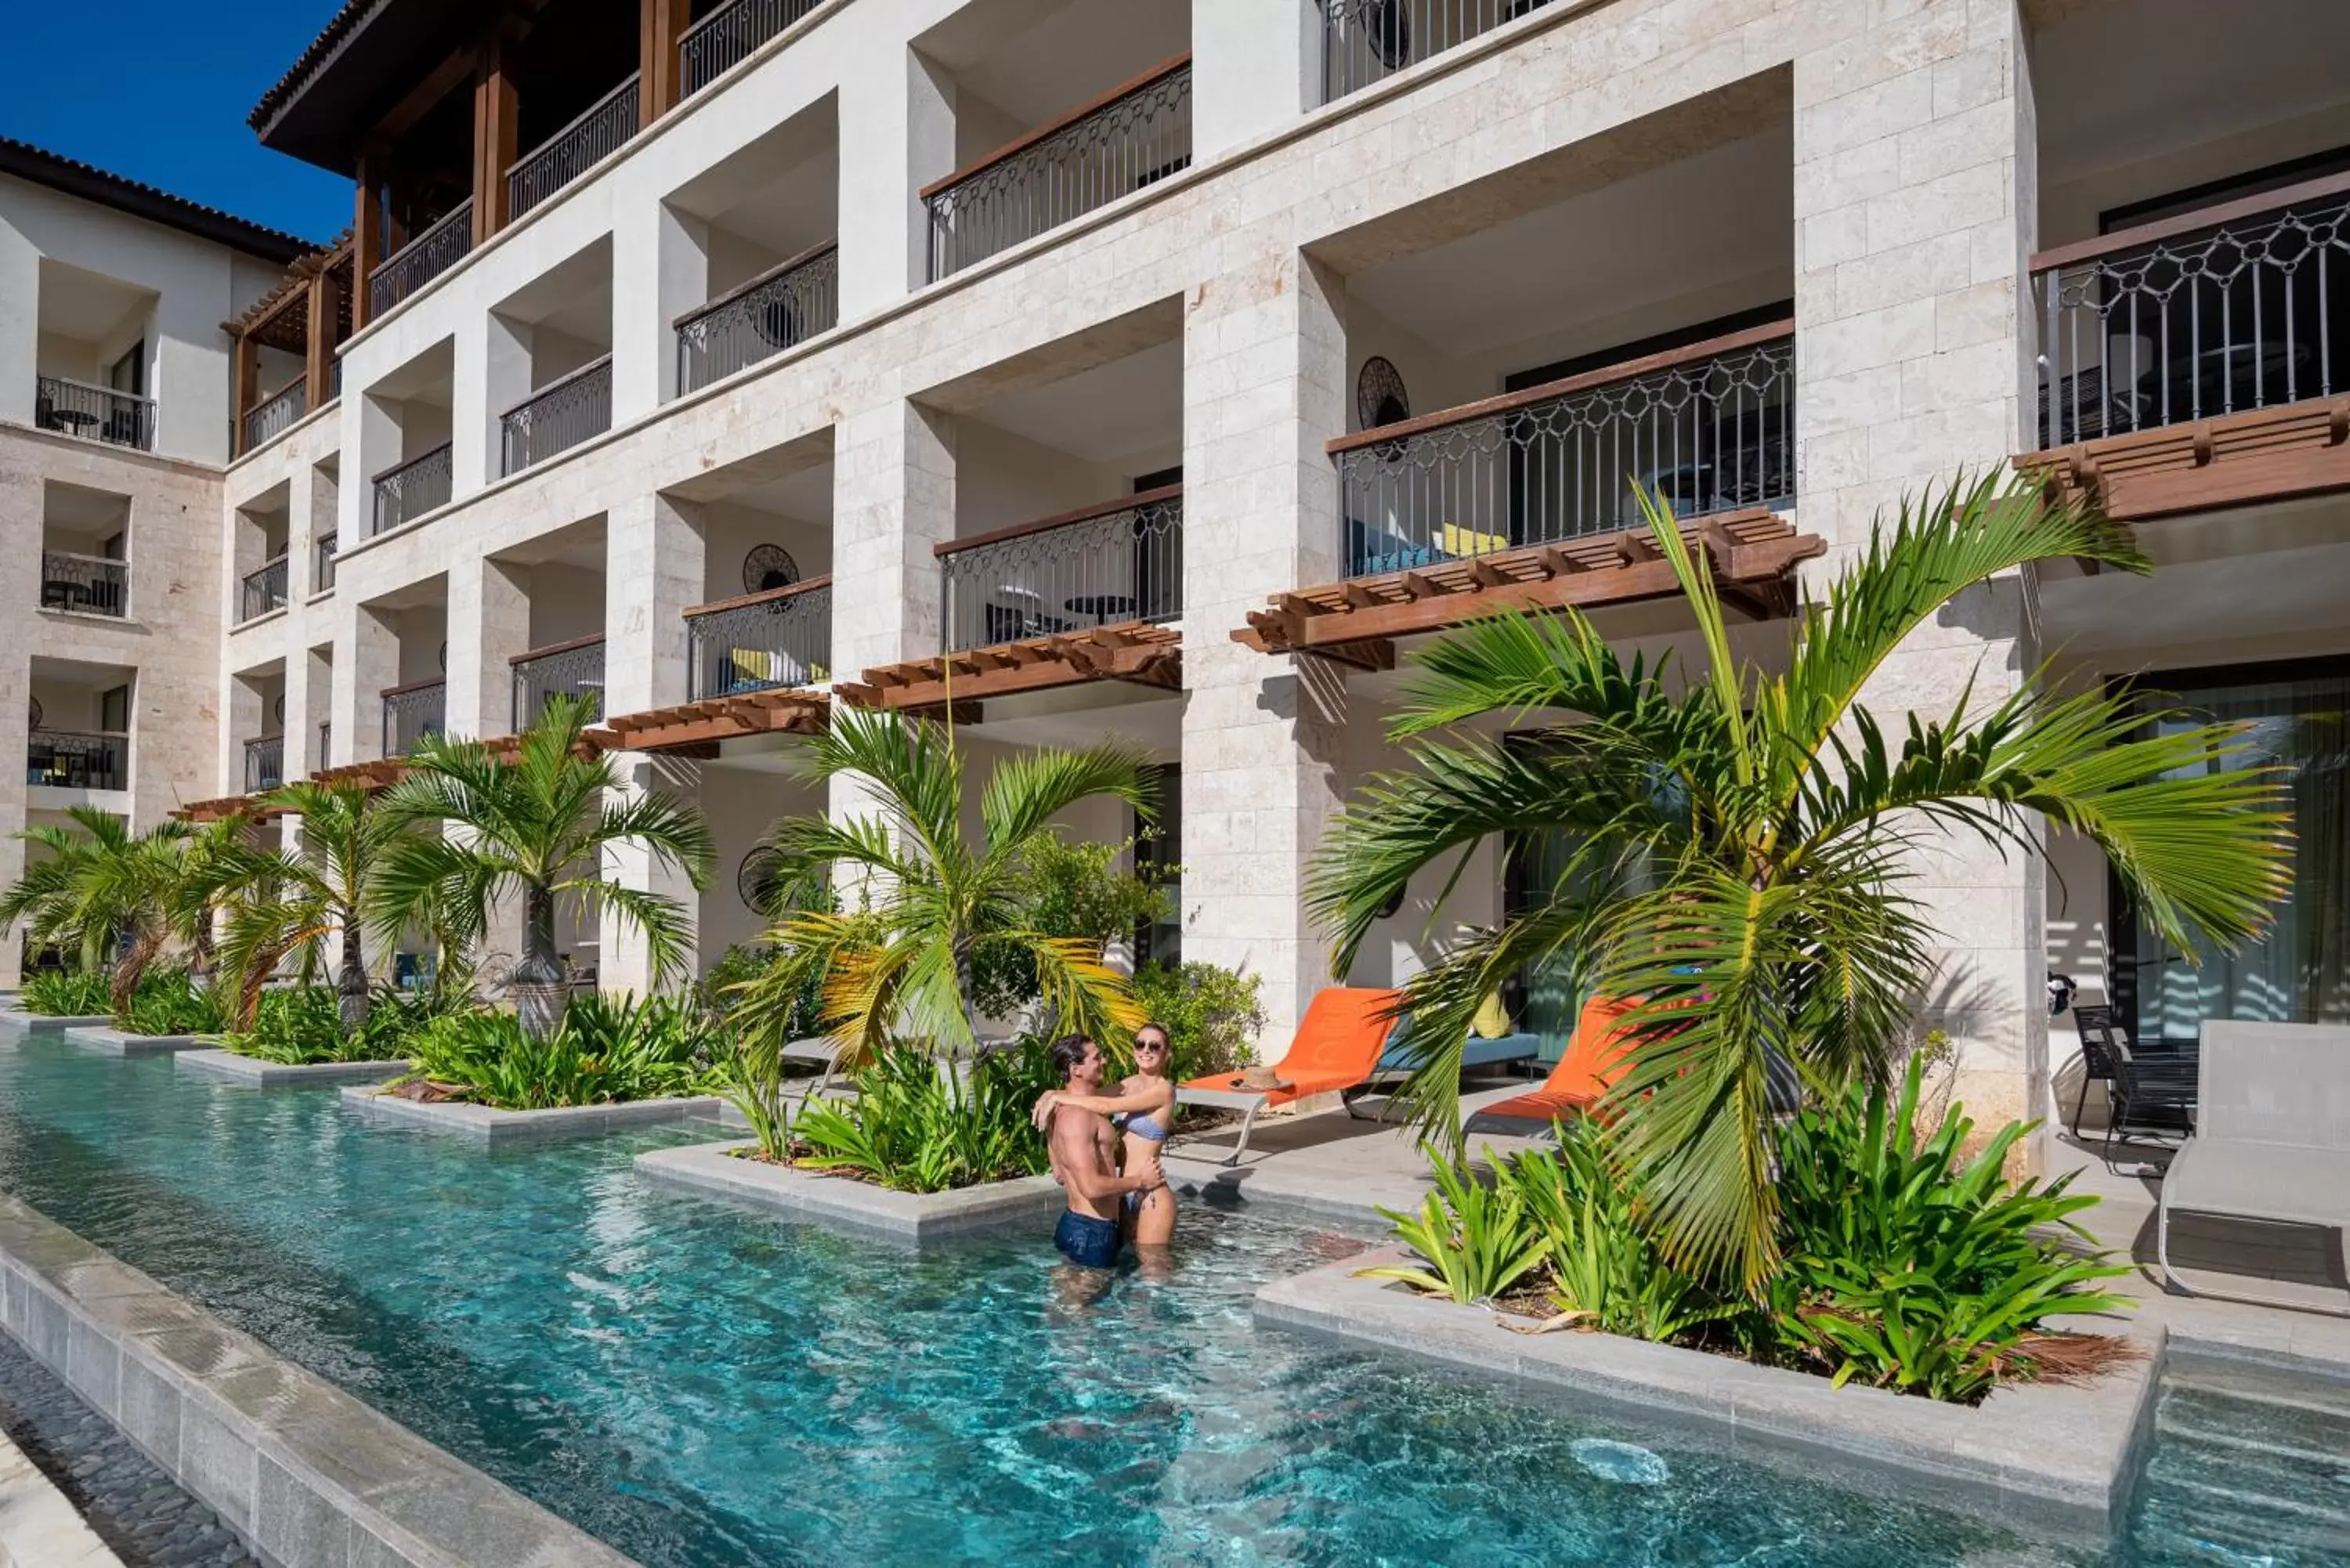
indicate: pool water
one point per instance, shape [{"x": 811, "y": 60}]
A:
[{"x": 700, "y": 1386}]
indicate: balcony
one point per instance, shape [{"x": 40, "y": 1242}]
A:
[
  {"x": 264, "y": 591},
  {"x": 1104, "y": 565},
  {"x": 277, "y": 413},
  {"x": 411, "y": 713},
  {"x": 731, "y": 34},
  {"x": 411, "y": 489},
  {"x": 93, "y": 585},
  {"x": 574, "y": 668},
  {"x": 99, "y": 413},
  {"x": 760, "y": 642},
  {"x": 780, "y": 306},
  {"x": 422, "y": 259},
  {"x": 2191, "y": 362},
  {"x": 264, "y": 764},
  {"x": 1132, "y": 137},
  {"x": 571, "y": 151},
  {"x": 73, "y": 759},
  {"x": 1364, "y": 41},
  {"x": 322, "y": 568},
  {"x": 559, "y": 416}
]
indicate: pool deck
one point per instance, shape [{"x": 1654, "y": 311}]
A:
[{"x": 39, "y": 1526}]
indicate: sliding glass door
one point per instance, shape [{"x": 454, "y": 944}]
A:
[{"x": 2297, "y": 719}]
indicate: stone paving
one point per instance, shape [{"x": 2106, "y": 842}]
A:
[{"x": 134, "y": 1507}]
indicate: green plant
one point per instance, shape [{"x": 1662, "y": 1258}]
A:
[
  {"x": 1476, "y": 1240},
  {"x": 1075, "y": 891},
  {"x": 601, "y": 1052},
  {"x": 66, "y": 993},
  {"x": 170, "y": 1001},
  {"x": 1210, "y": 1014},
  {"x": 1769, "y": 817},
  {"x": 1606, "y": 1273},
  {"x": 919, "y": 1125},
  {"x": 930, "y": 904},
  {"x": 301, "y": 1025},
  {"x": 525, "y": 827}
]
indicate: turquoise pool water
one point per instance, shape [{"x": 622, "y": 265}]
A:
[{"x": 703, "y": 1387}]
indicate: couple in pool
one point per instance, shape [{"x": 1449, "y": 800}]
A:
[{"x": 1105, "y": 1149}]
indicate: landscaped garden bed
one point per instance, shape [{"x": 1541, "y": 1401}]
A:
[{"x": 733, "y": 1170}]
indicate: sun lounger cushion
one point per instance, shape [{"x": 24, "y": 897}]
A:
[
  {"x": 1337, "y": 1046},
  {"x": 1497, "y": 1052},
  {"x": 1594, "y": 1059},
  {"x": 2281, "y": 1182}
]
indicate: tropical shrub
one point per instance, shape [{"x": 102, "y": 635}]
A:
[
  {"x": 1210, "y": 1014},
  {"x": 1905, "y": 1266},
  {"x": 919, "y": 1125},
  {"x": 601, "y": 1052},
  {"x": 66, "y": 993},
  {"x": 303, "y": 1024},
  {"x": 170, "y": 1001},
  {"x": 1070, "y": 891}
]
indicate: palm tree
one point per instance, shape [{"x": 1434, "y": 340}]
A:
[
  {"x": 292, "y": 902},
  {"x": 926, "y": 903},
  {"x": 1738, "y": 844},
  {"x": 536, "y": 827}
]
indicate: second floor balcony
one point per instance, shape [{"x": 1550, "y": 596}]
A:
[
  {"x": 558, "y": 415},
  {"x": 100, "y": 413},
  {"x": 264, "y": 764},
  {"x": 275, "y": 414},
  {"x": 574, "y": 668},
  {"x": 1131, "y": 137},
  {"x": 77, "y": 759},
  {"x": 264, "y": 590},
  {"x": 411, "y": 713},
  {"x": 760, "y": 642},
  {"x": 411, "y": 489},
  {"x": 94, "y": 585},
  {"x": 1101, "y": 566},
  {"x": 588, "y": 141},
  {"x": 780, "y": 306}
]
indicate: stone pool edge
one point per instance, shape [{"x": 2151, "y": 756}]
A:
[
  {"x": 501, "y": 1129},
  {"x": 20, "y": 1022},
  {"x": 2059, "y": 1456},
  {"x": 108, "y": 1040},
  {"x": 231, "y": 1067},
  {"x": 306, "y": 1475},
  {"x": 858, "y": 1208}
]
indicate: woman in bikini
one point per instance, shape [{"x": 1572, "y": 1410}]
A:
[{"x": 1144, "y": 1110}]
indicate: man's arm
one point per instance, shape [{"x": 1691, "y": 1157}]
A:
[{"x": 1101, "y": 1105}]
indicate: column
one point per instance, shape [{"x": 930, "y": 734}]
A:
[
  {"x": 661, "y": 270},
  {"x": 366, "y": 660},
  {"x": 367, "y": 234},
  {"x": 893, "y": 498},
  {"x": 21, "y": 502},
  {"x": 1265, "y": 355},
  {"x": 660, "y": 24},
  {"x": 495, "y": 122},
  {"x": 489, "y": 623},
  {"x": 897, "y": 135},
  {"x": 1256, "y": 65},
  {"x": 1916, "y": 196}
]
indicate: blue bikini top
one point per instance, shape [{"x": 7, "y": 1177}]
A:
[{"x": 1141, "y": 1127}]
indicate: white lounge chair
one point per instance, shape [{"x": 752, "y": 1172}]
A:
[{"x": 2271, "y": 1138}]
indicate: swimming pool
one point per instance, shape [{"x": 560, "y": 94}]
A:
[{"x": 701, "y": 1387}]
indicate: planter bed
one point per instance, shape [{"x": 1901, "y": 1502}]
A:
[
  {"x": 498, "y": 1129},
  {"x": 2059, "y": 1455},
  {"x": 116, "y": 1042},
  {"x": 263, "y": 1074},
  {"x": 917, "y": 1220},
  {"x": 50, "y": 1022}
]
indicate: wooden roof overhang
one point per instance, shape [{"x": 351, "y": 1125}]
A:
[
  {"x": 2230, "y": 459},
  {"x": 1752, "y": 554},
  {"x": 281, "y": 319},
  {"x": 1140, "y": 653},
  {"x": 695, "y": 729}
]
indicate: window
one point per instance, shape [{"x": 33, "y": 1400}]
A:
[
  {"x": 114, "y": 710},
  {"x": 1159, "y": 860},
  {"x": 129, "y": 374}
]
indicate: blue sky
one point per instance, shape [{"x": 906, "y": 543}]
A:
[{"x": 159, "y": 90}]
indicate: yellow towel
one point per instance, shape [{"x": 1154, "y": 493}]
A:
[
  {"x": 1459, "y": 541},
  {"x": 1493, "y": 1020}
]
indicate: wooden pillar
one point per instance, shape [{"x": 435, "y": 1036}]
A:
[
  {"x": 493, "y": 140},
  {"x": 324, "y": 308},
  {"x": 367, "y": 239},
  {"x": 658, "y": 82},
  {"x": 245, "y": 376}
]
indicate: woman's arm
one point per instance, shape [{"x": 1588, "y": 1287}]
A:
[{"x": 1125, "y": 1103}]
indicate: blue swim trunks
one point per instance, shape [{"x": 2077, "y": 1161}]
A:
[{"x": 1088, "y": 1242}]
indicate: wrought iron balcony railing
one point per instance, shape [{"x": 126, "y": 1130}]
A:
[
  {"x": 277, "y": 413},
  {"x": 1118, "y": 562},
  {"x": 101, "y": 413},
  {"x": 559, "y": 415},
  {"x": 780, "y": 306},
  {"x": 411, "y": 713},
  {"x": 1134, "y": 136},
  {"x": 422, "y": 259},
  {"x": 760, "y": 642},
  {"x": 265, "y": 590},
  {"x": 1364, "y": 41},
  {"x": 2239, "y": 306},
  {"x": 412, "y": 489},
  {"x": 571, "y": 151},
  {"x": 264, "y": 764},
  {"x": 1709, "y": 428},
  {"x": 76, "y": 758},
  {"x": 97, "y": 585},
  {"x": 574, "y": 668},
  {"x": 729, "y": 35},
  {"x": 322, "y": 568}
]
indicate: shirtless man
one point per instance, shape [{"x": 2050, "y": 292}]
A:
[{"x": 1085, "y": 1149}]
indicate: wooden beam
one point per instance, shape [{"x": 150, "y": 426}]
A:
[
  {"x": 326, "y": 310},
  {"x": 1423, "y": 587},
  {"x": 367, "y": 236},
  {"x": 495, "y": 117},
  {"x": 246, "y": 375},
  {"x": 661, "y": 23}
]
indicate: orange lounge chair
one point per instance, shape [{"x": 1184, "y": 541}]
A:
[
  {"x": 1596, "y": 1057},
  {"x": 1337, "y": 1047}
]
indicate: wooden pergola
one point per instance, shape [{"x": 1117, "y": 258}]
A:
[
  {"x": 1140, "y": 653},
  {"x": 308, "y": 314}
]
